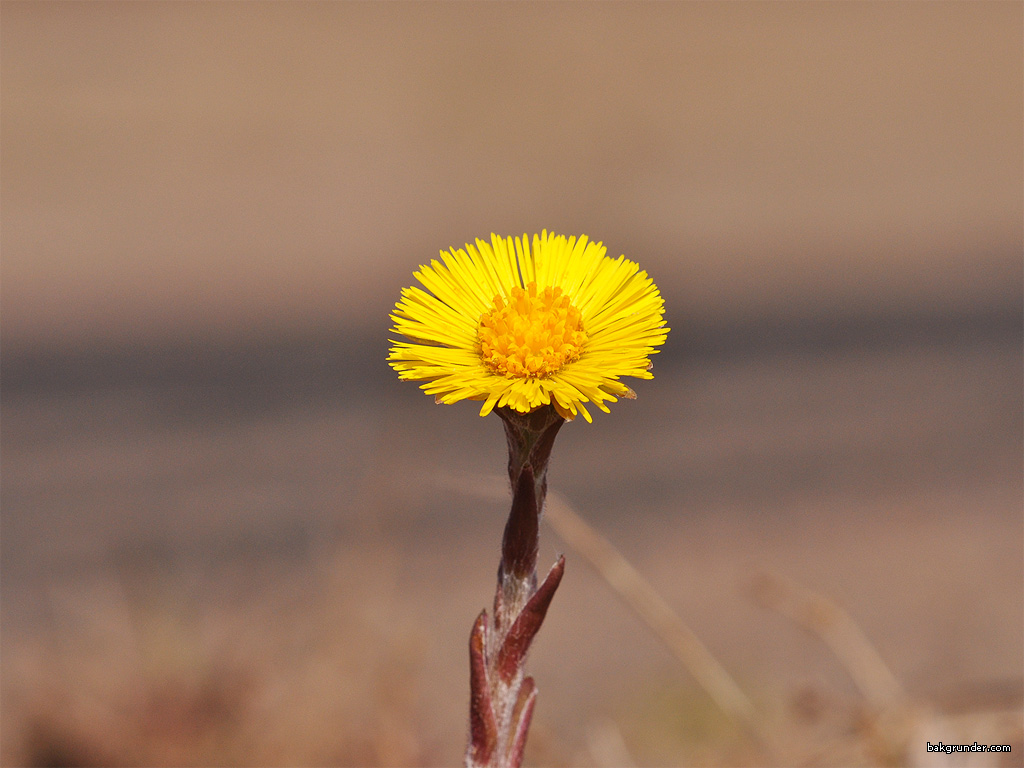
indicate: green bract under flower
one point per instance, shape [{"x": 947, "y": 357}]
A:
[{"x": 523, "y": 326}]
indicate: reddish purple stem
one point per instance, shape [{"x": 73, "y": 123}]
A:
[{"x": 502, "y": 698}]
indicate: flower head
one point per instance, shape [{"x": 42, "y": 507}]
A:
[{"x": 526, "y": 326}]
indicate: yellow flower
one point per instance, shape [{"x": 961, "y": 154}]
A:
[{"x": 559, "y": 323}]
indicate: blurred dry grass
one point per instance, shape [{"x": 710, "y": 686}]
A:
[
  {"x": 146, "y": 668},
  {"x": 326, "y": 665}
]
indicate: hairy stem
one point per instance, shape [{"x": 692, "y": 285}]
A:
[{"x": 502, "y": 698}]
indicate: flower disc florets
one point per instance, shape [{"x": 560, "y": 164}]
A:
[
  {"x": 531, "y": 334},
  {"x": 557, "y": 323}
]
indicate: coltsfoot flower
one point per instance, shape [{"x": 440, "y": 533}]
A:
[{"x": 523, "y": 326}]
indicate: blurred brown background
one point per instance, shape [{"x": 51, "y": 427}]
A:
[{"x": 232, "y": 536}]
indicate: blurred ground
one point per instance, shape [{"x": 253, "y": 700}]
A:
[{"x": 292, "y": 571}]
